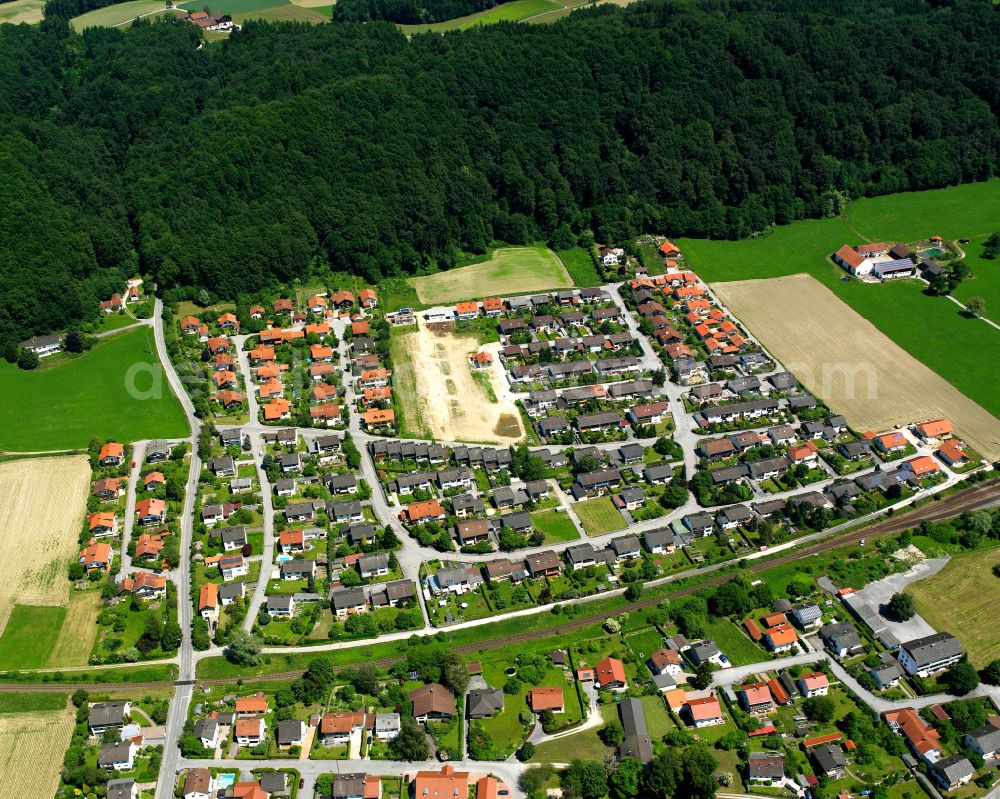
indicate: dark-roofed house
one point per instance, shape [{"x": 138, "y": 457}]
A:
[
  {"x": 122, "y": 789},
  {"x": 658, "y": 473},
  {"x": 930, "y": 654},
  {"x": 472, "y": 531},
  {"x": 637, "y": 742},
  {"x": 765, "y": 768},
  {"x": 580, "y": 556},
  {"x": 984, "y": 741},
  {"x": 107, "y": 716},
  {"x": 544, "y": 564},
  {"x": 886, "y": 674},
  {"x": 432, "y": 701},
  {"x": 660, "y": 542},
  {"x": 953, "y": 772},
  {"x": 484, "y": 703},
  {"x": 700, "y": 524},
  {"x": 626, "y": 546},
  {"x": 829, "y": 759}
]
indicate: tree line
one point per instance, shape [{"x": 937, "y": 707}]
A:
[{"x": 249, "y": 162}]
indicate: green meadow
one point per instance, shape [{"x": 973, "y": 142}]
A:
[
  {"x": 116, "y": 390},
  {"x": 963, "y": 351}
]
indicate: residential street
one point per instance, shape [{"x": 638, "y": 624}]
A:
[{"x": 411, "y": 555}]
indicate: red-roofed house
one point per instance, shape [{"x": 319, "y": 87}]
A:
[
  {"x": 756, "y": 698},
  {"x": 851, "y": 260},
  {"x": 96, "y": 556},
  {"x": 934, "y": 428},
  {"x": 111, "y": 454},
  {"x": 780, "y": 639},
  {"x": 703, "y": 712},
  {"x": 922, "y": 465},
  {"x": 546, "y": 698},
  {"x": 815, "y": 684},
  {"x": 952, "y": 454},
  {"x": 610, "y": 673},
  {"x": 368, "y": 298}
]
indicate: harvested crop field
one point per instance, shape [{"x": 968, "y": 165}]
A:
[
  {"x": 845, "y": 360},
  {"x": 32, "y": 746},
  {"x": 511, "y": 270},
  {"x": 953, "y": 600},
  {"x": 439, "y": 395},
  {"x": 42, "y": 502}
]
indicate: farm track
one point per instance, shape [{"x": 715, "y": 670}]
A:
[{"x": 969, "y": 499}]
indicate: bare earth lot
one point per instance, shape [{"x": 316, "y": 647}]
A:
[
  {"x": 32, "y": 746},
  {"x": 42, "y": 501},
  {"x": 448, "y": 401},
  {"x": 844, "y": 359}
]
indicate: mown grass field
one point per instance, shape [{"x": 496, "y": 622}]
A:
[
  {"x": 284, "y": 12},
  {"x": 31, "y": 702},
  {"x": 514, "y": 11},
  {"x": 931, "y": 329},
  {"x": 117, "y": 14},
  {"x": 100, "y": 394},
  {"x": 960, "y": 599},
  {"x": 580, "y": 266},
  {"x": 509, "y": 270},
  {"x": 30, "y": 636},
  {"x": 18, "y": 11},
  {"x": 599, "y": 516}
]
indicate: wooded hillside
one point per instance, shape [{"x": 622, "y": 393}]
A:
[{"x": 233, "y": 166}]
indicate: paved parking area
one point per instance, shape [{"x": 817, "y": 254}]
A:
[{"x": 877, "y": 594}]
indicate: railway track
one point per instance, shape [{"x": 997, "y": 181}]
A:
[{"x": 970, "y": 499}]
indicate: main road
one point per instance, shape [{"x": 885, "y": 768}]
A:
[{"x": 181, "y": 576}]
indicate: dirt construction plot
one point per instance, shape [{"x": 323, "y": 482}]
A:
[
  {"x": 845, "y": 360},
  {"x": 32, "y": 746},
  {"x": 447, "y": 401},
  {"x": 42, "y": 503}
]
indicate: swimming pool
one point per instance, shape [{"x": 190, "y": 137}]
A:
[
  {"x": 933, "y": 253},
  {"x": 226, "y": 780},
  {"x": 282, "y": 558}
]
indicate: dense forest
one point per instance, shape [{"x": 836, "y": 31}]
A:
[
  {"x": 234, "y": 166},
  {"x": 405, "y": 11}
]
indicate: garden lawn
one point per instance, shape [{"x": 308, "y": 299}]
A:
[
  {"x": 555, "y": 525},
  {"x": 509, "y": 270},
  {"x": 740, "y": 650},
  {"x": 585, "y": 745},
  {"x": 93, "y": 395},
  {"x": 599, "y": 516},
  {"x": 30, "y": 635}
]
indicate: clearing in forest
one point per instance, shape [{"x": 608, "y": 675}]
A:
[
  {"x": 953, "y": 600},
  {"x": 439, "y": 395},
  {"x": 42, "y": 502},
  {"x": 32, "y": 746},
  {"x": 510, "y": 270},
  {"x": 847, "y": 362}
]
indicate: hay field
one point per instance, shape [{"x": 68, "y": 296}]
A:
[
  {"x": 29, "y": 11},
  {"x": 844, "y": 359},
  {"x": 42, "y": 502},
  {"x": 115, "y": 15},
  {"x": 510, "y": 270},
  {"x": 32, "y": 746},
  {"x": 441, "y": 397},
  {"x": 954, "y": 601}
]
